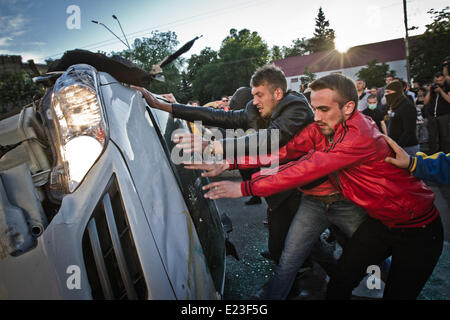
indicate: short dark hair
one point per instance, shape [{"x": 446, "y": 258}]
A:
[
  {"x": 269, "y": 75},
  {"x": 371, "y": 96},
  {"x": 240, "y": 98},
  {"x": 344, "y": 87},
  {"x": 438, "y": 74}
]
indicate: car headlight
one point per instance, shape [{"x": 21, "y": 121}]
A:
[{"x": 80, "y": 125}]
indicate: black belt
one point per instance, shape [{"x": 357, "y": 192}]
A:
[{"x": 331, "y": 198}]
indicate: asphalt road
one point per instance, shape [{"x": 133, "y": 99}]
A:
[{"x": 244, "y": 278}]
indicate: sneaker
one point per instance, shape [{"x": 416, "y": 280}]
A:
[{"x": 253, "y": 200}]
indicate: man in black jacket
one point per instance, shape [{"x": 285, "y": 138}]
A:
[
  {"x": 239, "y": 101},
  {"x": 272, "y": 107},
  {"x": 402, "y": 123},
  {"x": 382, "y": 105}
]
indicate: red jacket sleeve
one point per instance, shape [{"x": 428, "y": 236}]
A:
[
  {"x": 342, "y": 153},
  {"x": 297, "y": 147}
]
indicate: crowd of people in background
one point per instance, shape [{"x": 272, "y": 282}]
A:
[
  {"x": 420, "y": 122},
  {"x": 425, "y": 129},
  {"x": 223, "y": 103}
]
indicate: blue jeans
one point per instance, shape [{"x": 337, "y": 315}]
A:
[{"x": 311, "y": 219}]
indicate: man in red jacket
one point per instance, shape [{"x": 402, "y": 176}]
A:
[{"x": 345, "y": 145}]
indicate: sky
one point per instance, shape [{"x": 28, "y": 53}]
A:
[{"x": 39, "y": 30}]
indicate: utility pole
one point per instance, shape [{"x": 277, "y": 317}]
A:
[
  {"x": 405, "y": 14},
  {"x": 128, "y": 45}
]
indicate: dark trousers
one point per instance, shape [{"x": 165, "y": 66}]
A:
[
  {"x": 415, "y": 252},
  {"x": 438, "y": 129},
  {"x": 247, "y": 174},
  {"x": 280, "y": 218}
]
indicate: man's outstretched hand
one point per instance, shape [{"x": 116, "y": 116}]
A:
[
  {"x": 401, "y": 157},
  {"x": 191, "y": 143},
  {"x": 152, "y": 101},
  {"x": 223, "y": 189}
]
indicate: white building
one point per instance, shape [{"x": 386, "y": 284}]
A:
[{"x": 392, "y": 52}]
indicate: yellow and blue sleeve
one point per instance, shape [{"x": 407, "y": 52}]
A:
[{"x": 435, "y": 167}]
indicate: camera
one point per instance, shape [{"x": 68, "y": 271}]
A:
[{"x": 434, "y": 86}]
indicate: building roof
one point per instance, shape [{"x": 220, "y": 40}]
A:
[
  {"x": 385, "y": 51},
  {"x": 13, "y": 63}
]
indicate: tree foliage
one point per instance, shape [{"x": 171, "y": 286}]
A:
[
  {"x": 240, "y": 55},
  {"x": 196, "y": 62},
  {"x": 198, "y": 71},
  {"x": 322, "y": 40},
  {"x": 185, "y": 89},
  {"x": 431, "y": 48},
  {"x": 17, "y": 89},
  {"x": 276, "y": 53},
  {"x": 324, "y": 36},
  {"x": 374, "y": 74},
  {"x": 299, "y": 47},
  {"x": 307, "y": 77},
  {"x": 149, "y": 51},
  {"x": 216, "y": 74}
]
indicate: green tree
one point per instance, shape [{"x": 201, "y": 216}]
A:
[
  {"x": 241, "y": 53},
  {"x": 147, "y": 52},
  {"x": 17, "y": 90},
  {"x": 374, "y": 74},
  {"x": 299, "y": 47},
  {"x": 196, "y": 62},
  {"x": 198, "y": 71},
  {"x": 185, "y": 89},
  {"x": 276, "y": 53},
  {"x": 307, "y": 76},
  {"x": 431, "y": 48},
  {"x": 206, "y": 86},
  {"x": 324, "y": 36}
]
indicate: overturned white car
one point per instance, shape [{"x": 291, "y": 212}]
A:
[{"x": 91, "y": 205}]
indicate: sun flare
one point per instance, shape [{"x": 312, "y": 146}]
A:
[{"x": 342, "y": 45}]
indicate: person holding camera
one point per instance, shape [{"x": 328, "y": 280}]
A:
[{"x": 438, "y": 101}]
